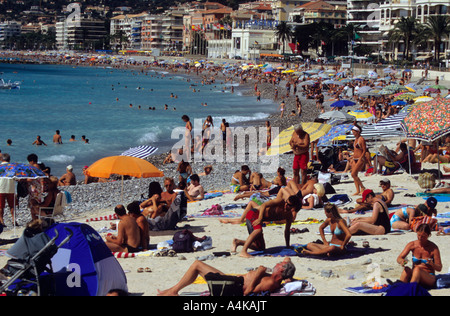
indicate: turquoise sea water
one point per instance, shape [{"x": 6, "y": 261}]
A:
[{"x": 95, "y": 102}]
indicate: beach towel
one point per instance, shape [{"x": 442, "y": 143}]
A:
[
  {"x": 103, "y": 218},
  {"x": 281, "y": 251},
  {"x": 443, "y": 215},
  {"x": 440, "y": 197},
  {"x": 366, "y": 290}
]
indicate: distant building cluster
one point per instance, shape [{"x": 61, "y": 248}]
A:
[{"x": 215, "y": 30}]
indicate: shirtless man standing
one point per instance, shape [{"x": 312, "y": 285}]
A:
[
  {"x": 255, "y": 281},
  {"x": 274, "y": 210},
  {"x": 57, "y": 138},
  {"x": 300, "y": 146},
  {"x": 128, "y": 238}
]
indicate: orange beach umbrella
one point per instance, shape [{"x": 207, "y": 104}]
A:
[{"x": 125, "y": 166}]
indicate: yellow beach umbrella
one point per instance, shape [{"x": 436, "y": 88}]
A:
[
  {"x": 280, "y": 144},
  {"x": 361, "y": 115},
  {"x": 316, "y": 130},
  {"x": 423, "y": 99}
]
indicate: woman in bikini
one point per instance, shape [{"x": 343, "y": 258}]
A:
[
  {"x": 426, "y": 259},
  {"x": 340, "y": 234},
  {"x": 358, "y": 161}
]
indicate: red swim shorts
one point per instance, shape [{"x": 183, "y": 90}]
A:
[
  {"x": 259, "y": 242},
  {"x": 301, "y": 161}
]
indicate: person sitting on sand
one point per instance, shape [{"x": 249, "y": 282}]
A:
[
  {"x": 169, "y": 195},
  {"x": 239, "y": 181},
  {"x": 278, "y": 183},
  {"x": 150, "y": 207},
  {"x": 314, "y": 199},
  {"x": 340, "y": 234},
  {"x": 402, "y": 217},
  {"x": 426, "y": 259},
  {"x": 68, "y": 178},
  {"x": 206, "y": 171},
  {"x": 378, "y": 224},
  {"x": 257, "y": 182},
  {"x": 195, "y": 191},
  {"x": 135, "y": 212},
  {"x": 387, "y": 196},
  {"x": 280, "y": 211},
  {"x": 128, "y": 238},
  {"x": 255, "y": 281},
  {"x": 301, "y": 190}
]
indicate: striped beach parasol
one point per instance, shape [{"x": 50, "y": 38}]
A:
[
  {"x": 316, "y": 130},
  {"x": 140, "y": 151}
]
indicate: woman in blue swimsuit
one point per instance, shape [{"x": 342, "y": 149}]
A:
[
  {"x": 340, "y": 234},
  {"x": 426, "y": 259}
]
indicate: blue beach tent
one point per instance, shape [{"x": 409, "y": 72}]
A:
[{"x": 85, "y": 266}]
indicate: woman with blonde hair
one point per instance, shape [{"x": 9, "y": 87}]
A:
[
  {"x": 314, "y": 199},
  {"x": 340, "y": 234}
]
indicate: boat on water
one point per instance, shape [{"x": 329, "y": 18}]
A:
[{"x": 9, "y": 84}]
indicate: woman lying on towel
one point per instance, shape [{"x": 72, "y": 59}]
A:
[{"x": 340, "y": 234}]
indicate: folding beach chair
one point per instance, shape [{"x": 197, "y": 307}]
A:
[{"x": 58, "y": 209}]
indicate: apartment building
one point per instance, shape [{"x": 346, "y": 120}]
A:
[
  {"x": 151, "y": 33},
  {"x": 125, "y": 31},
  {"x": 89, "y": 34},
  {"x": 320, "y": 11},
  {"x": 9, "y": 29}
]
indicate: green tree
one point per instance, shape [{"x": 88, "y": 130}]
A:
[
  {"x": 284, "y": 33},
  {"x": 405, "y": 30},
  {"x": 438, "y": 26}
]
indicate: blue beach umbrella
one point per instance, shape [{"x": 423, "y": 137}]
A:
[
  {"x": 399, "y": 102},
  {"x": 342, "y": 103},
  {"x": 19, "y": 171}
]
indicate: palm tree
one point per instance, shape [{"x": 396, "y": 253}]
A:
[
  {"x": 438, "y": 26},
  {"x": 405, "y": 30},
  {"x": 284, "y": 33}
]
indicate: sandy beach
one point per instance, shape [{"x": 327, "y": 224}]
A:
[{"x": 329, "y": 277}]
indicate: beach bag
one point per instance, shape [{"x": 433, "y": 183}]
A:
[
  {"x": 407, "y": 289},
  {"x": 427, "y": 180},
  {"x": 213, "y": 211},
  {"x": 417, "y": 221},
  {"x": 183, "y": 241}
]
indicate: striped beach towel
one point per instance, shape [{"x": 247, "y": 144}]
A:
[{"x": 102, "y": 218}]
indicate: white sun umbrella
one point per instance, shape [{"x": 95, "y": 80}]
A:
[{"x": 140, "y": 151}]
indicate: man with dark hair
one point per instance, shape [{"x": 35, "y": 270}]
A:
[
  {"x": 300, "y": 143},
  {"x": 134, "y": 211},
  {"x": 255, "y": 281},
  {"x": 273, "y": 210},
  {"x": 128, "y": 237},
  {"x": 195, "y": 190}
]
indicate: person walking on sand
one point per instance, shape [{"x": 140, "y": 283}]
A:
[
  {"x": 282, "y": 108},
  {"x": 300, "y": 143},
  {"x": 358, "y": 161},
  {"x": 7, "y": 192}
]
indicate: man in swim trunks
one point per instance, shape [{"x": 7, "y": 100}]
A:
[
  {"x": 300, "y": 143},
  {"x": 255, "y": 281},
  {"x": 274, "y": 210},
  {"x": 128, "y": 238}
]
